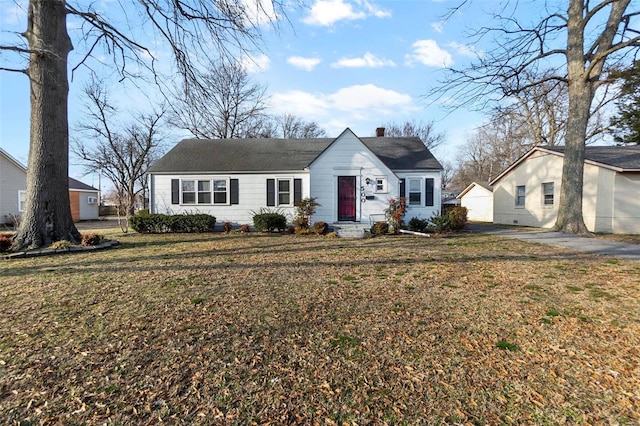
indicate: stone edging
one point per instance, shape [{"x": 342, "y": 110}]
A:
[{"x": 72, "y": 249}]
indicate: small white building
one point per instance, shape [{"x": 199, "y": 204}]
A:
[
  {"x": 527, "y": 192},
  {"x": 478, "y": 199},
  {"x": 352, "y": 178}
]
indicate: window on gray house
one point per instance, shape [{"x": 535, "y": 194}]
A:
[
  {"x": 547, "y": 193},
  {"x": 520, "y": 194},
  {"x": 415, "y": 191}
]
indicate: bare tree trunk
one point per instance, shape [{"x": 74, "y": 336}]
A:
[
  {"x": 570, "y": 219},
  {"x": 47, "y": 217},
  {"x": 581, "y": 92}
]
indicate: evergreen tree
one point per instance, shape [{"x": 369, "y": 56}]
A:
[{"x": 625, "y": 126}]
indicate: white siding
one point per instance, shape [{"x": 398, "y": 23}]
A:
[
  {"x": 348, "y": 156},
  {"x": 88, "y": 211},
  {"x": 12, "y": 180},
  {"x": 252, "y": 196},
  {"x": 531, "y": 173},
  {"x": 627, "y": 204},
  {"x": 609, "y": 204},
  {"x": 479, "y": 203}
]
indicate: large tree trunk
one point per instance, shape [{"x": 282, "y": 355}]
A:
[
  {"x": 47, "y": 216},
  {"x": 581, "y": 91}
]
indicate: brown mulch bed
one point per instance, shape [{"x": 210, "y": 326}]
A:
[{"x": 236, "y": 329}]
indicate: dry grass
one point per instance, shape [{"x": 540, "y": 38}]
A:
[{"x": 213, "y": 329}]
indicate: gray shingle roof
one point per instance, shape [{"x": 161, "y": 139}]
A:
[
  {"x": 626, "y": 158},
  {"x": 76, "y": 184},
  {"x": 257, "y": 155}
]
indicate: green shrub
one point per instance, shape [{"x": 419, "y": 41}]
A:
[
  {"x": 380, "y": 228},
  {"x": 418, "y": 225},
  {"x": 5, "y": 242},
  {"x": 161, "y": 223},
  {"x": 269, "y": 222},
  {"x": 320, "y": 228},
  {"x": 305, "y": 208},
  {"x": 458, "y": 218},
  {"x": 453, "y": 220}
]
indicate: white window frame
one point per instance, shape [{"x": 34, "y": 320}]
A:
[
  {"x": 419, "y": 192},
  {"x": 289, "y": 192},
  {"x": 546, "y": 193},
  {"x": 22, "y": 200},
  {"x": 92, "y": 200},
  {"x": 380, "y": 185},
  {"x": 200, "y": 195},
  {"x": 523, "y": 196}
]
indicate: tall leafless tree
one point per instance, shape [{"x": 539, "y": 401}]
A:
[
  {"x": 121, "y": 152},
  {"x": 425, "y": 131},
  {"x": 191, "y": 29},
  {"x": 290, "y": 126},
  {"x": 582, "y": 41},
  {"x": 223, "y": 103}
]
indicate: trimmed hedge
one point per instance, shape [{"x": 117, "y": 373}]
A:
[
  {"x": 161, "y": 223},
  {"x": 269, "y": 222}
]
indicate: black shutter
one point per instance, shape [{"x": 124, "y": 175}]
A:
[
  {"x": 297, "y": 191},
  {"x": 402, "y": 188},
  {"x": 271, "y": 192},
  {"x": 429, "y": 191},
  {"x": 175, "y": 191},
  {"x": 234, "y": 192}
]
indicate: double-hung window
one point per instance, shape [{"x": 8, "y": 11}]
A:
[
  {"x": 520, "y": 195},
  {"x": 22, "y": 199},
  {"x": 415, "y": 191},
  {"x": 284, "y": 192},
  {"x": 547, "y": 194},
  {"x": 220, "y": 191}
]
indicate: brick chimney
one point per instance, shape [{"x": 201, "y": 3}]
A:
[{"x": 380, "y": 132}]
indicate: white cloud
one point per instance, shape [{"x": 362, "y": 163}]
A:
[
  {"x": 327, "y": 12},
  {"x": 466, "y": 50},
  {"x": 428, "y": 52},
  {"x": 367, "y": 61},
  {"x": 438, "y": 26},
  {"x": 345, "y": 107},
  {"x": 260, "y": 12},
  {"x": 307, "y": 64},
  {"x": 255, "y": 64}
]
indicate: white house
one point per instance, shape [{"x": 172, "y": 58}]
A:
[
  {"x": 13, "y": 193},
  {"x": 527, "y": 192},
  {"x": 478, "y": 199},
  {"x": 352, "y": 178}
]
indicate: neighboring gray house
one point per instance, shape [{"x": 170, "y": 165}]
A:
[
  {"x": 352, "y": 178},
  {"x": 527, "y": 192},
  {"x": 13, "y": 185},
  {"x": 13, "y": 193}
]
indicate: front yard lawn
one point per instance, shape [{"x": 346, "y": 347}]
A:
[{"x": 236, "y": 329}]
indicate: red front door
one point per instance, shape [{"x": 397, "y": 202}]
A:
[{"x": 347, "y": 198}]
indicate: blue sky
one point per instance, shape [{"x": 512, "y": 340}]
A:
[{"x": 341, "y": 63}]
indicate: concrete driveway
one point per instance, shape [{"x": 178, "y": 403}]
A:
[{"x": 559, "y": 239}]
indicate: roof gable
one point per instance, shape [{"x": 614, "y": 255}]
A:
[
  {"x": 12, "y": 160},
  {"x": 270, "y": 155},
  {"x": 473, "y": 185},
  {"x": 79, "y": 186},
  {"x": 618, "y": 158}
]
